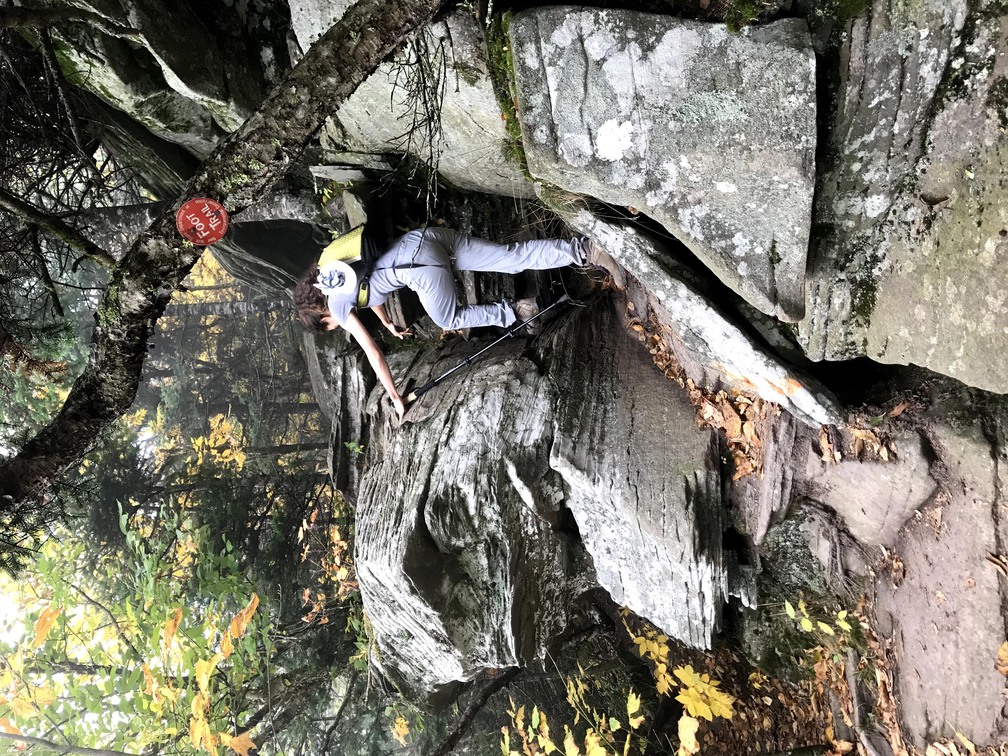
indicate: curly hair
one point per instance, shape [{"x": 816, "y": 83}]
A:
[{"x": 311, "y": 303}]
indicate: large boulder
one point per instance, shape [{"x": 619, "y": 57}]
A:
[
  {"x": 436, "y": 102},
  {"x": 463, "y": 555},
  {"x": 189, "y": 81},
  {"x": 641, "y": 479},
  {"x": 712, "y": 134},
  {"x": 913, "y": 205}
]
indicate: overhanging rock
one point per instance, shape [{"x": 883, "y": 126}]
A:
[{"x": 712, "y": 134}]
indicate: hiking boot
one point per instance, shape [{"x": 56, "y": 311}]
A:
[
  {"x": 598, "y": 258},
  {"x": 525, "y": 309}
]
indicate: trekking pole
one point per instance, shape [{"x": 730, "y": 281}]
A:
[{"x": 417, "y": 393}]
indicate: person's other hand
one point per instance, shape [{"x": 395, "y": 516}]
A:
[{"x": 397, "y": 331}]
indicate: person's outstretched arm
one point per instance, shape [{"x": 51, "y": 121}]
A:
[
  {"x": 377, "y": 360},
  {"x": 391, "y": 327}
]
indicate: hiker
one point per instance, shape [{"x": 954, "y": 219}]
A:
[{"x": 354, "y": 271}]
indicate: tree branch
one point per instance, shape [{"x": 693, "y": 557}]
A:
[
  {"x": 451, "y": 739},
  {"x": 49, "y": 55},
  {"x": 243, "y": 167},
  {"x": 46, "y": 17},
  {"x": 57, "y": 748},
  {"x": 54, "y": 226},
  {"x": 112, "y": 618}
]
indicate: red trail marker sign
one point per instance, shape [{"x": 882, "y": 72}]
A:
[{"x": 202, "y": 221}]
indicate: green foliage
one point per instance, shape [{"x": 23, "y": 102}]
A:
[
  {"x": 501, "y": 69},
  {"x": 741, "y": 13},
  {"x": 162, "y": 644}
]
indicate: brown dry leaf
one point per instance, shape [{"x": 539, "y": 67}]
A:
[
  {"x": 829, "y": 454},
  {"x": 842, "y": 746},
  {"x": 731, "y": 422},
  {"x": 898, "y": 571},
  {"x": 898, "y": 409}
]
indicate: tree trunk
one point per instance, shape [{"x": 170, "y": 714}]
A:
[{"x": 243, "y": 167}]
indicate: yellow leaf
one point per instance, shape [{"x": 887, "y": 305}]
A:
[
  {"x": 148, "y": 680},
  {"x": 789, "y": 609},
  {"x": 44, "y": 696},
  {"x": 45, "y": 623},
  {"x": 632, "y": 704},
  {"x": 970, "y": 748},
  {"x": 240, "y": 744},
  {"x": 806, "y": 624},
  {"x": 1001, "y": 665},
  {"x": 196, "y": 727},
  {"x": 695, "y": 704},
  {"x": 226, "y": 646},
  {"x": 204, "y": 669},
  {"x": 570, "y": 747},
  {"x": 825, "y": 628},
  {"x": 400, "y": 729},
  {"x": 169, "y": 629},
  {"x": 23, "y": 707},
  {"x": 241, "y": 620},
  {"x": 688, "y": 727},
  {"x": 593, "y": 746}
]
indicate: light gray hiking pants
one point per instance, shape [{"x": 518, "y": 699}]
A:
[{"x": 431, "y": 250}]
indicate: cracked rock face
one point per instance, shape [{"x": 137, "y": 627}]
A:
[
  {"x": 913, "y": 202},
  {"x": 709, "y": 133},
  {"x": 463, "y": 561}
]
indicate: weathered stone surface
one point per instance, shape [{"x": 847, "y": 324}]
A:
[
  {"x": 913, "y": 205},
  {"x": 461, "y": 562},
  {"x": 714, "y": 352},
  {"x": 875, "y": 499},
  {"x": 643, "y": 481},
  {"x": 310, "y": 19},
  {"x": 189, "y": 81},
  {"x": 470, "y": 145},
  {"x": 709, "y": 133},
  {"x": 946, "y": 617}
]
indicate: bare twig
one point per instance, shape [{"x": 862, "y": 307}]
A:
[
  {"x": 112, "y": 618},
  {"x": 49, "y": 55},
  {"x": 56, "y": 227},
  {"x": 43, "y": 271}
]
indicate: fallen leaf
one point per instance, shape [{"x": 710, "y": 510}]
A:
[
  {"x": 967, "y": 744},
  {"x": 898, "y": 409},
  {"x": 1001, "y": 665}
]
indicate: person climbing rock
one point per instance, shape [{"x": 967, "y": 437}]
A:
[{"x": 357, "y": 271}]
